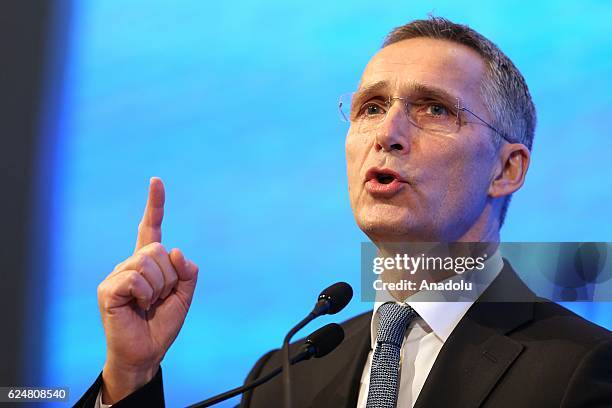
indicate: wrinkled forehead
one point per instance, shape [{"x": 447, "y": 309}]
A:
[{"x": 450, "y": 67}]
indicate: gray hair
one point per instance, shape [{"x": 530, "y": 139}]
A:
[{"x": 504, "y": 90}]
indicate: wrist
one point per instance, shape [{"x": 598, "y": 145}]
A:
[{"x": 121, "y": 380}]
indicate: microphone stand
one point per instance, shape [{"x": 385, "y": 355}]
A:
[
  {"x": 322, "y": 306},
  {"x": 318, "y": 344},
  {"x": 239, "y": 390}
]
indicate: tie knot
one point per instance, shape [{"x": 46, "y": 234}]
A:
[{"x": 393, "y": 320}]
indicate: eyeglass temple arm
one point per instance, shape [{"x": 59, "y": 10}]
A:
[
  {"x": 463, "y": 108},
  {"x": 340, "y": 104}
]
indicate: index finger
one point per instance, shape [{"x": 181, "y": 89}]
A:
[{"x": 149, "y": 229}]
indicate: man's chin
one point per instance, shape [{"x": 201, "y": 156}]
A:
[
  {"x": 378, "y": 229},
  {"x": 387, "y": 223}
]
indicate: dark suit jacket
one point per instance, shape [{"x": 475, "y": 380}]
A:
[{"x": 532, "y": 353}]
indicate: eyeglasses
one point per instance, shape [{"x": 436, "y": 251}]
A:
[{"x": 429, "y": 116}]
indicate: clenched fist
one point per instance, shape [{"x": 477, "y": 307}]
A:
[{"x": 143, "y": 303}]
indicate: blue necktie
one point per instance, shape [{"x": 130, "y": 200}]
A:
[{"x": 384, "y": 375}]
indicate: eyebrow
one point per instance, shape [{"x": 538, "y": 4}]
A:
[{"x": 411, "y": 89}]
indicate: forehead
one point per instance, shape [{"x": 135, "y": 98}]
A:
[{"x": 452, "y": 67}]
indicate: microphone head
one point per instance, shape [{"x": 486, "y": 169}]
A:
[
  {"x": 324, "y": 340},
  {"x": 337, "y": 296}
]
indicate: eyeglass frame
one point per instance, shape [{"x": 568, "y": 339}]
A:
[{"x": 458, "y": 106}]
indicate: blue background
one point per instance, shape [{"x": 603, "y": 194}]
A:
[{"x": 233, "y": 104}]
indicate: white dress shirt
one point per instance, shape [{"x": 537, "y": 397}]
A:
[
  {"x": 99, "y": 403},
  {"x": 427, "y": 333}
]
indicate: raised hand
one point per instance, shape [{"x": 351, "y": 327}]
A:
[{"x": 143, "y": 303}]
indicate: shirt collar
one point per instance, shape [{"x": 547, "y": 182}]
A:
[{"x": 443, "y": 316}]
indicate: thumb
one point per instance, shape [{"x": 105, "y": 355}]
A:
[{"x": 187, "y": 273}]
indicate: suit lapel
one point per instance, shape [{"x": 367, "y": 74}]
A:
[
  {"x": 478, "y": 353},
  {"x": 343, "y": 389}
]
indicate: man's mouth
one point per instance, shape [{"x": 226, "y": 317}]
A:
[
  {"x": 385, "y": 178},
  {"x": 383, "y": 183}
]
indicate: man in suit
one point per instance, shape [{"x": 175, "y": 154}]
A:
[{"x": 441, "y": 130}]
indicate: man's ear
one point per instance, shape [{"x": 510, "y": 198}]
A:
[{"x": 510, "y": 174}]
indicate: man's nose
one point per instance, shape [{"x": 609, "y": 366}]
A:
[{"x": 395, "y": 131}]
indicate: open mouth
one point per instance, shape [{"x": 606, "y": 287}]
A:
[
  {"x": 383, "y": 183},
  {"x": 383, "y": 178}
]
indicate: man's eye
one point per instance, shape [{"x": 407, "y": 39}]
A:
[
  {"x": 372, "y": 109},
  {"x": 437, "y": 110}
]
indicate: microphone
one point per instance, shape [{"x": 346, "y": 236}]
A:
[
  {"x": 333, "y": 299},
  {"x": 321, "y": 342},
  {"x": 330, "y": 301},
  {"x": 318, "y": 344}
]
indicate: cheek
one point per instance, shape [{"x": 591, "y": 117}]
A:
[
  {"x": 353, "y": 147},
  {"x": 469, "y": 175},
  {"x": 459, "y": 171},
  {"x": 356, "y": 151}
]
